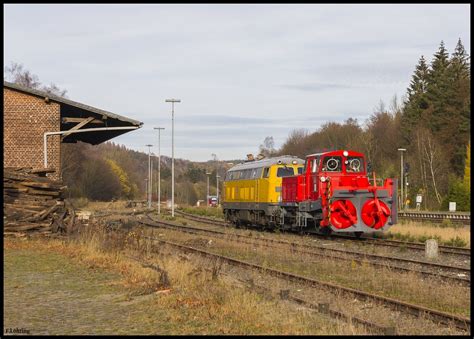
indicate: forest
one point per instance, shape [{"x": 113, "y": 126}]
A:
[{"x": 431, "y": 121}]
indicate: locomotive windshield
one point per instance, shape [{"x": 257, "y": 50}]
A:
[
  {"x": 355, "y": 165},
  {"x": 332, "y": 164},
  {"x": 285, "y": 172}
]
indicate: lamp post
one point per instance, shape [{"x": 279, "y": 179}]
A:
[
  {"x": 159, "y": 169},
  {"x": 402, "y": 207},
  {"x": 149, "y": 176},
  {"x": 146, "y": 188},
  {"x": 172, "y": 152},
  {"x": 207, "y": 197},
  {"x": 217, "y": 187}
]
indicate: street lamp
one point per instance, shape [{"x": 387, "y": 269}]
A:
[
  {"x": 217, "y": 187},
  {"x": 172, "y": 152},
  {"x": 159, "y": 169},
  {"x": 149, "y": 177},
  {"x": 402, "y": 207},
  {"x": 207, "y": 198},
  {"x": 146, "y": 188}
]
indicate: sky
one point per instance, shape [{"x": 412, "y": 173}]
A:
[{"x": 242, "y": 72}]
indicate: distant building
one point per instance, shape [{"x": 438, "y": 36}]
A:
[{"x": 28, "y": 114}]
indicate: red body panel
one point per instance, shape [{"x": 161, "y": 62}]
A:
[{"x": 339, "y": 173}]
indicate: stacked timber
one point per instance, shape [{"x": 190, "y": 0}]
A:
[{"x": 34, "y": 203}]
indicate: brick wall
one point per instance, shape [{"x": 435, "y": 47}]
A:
[{"x": 25, "y": 119}]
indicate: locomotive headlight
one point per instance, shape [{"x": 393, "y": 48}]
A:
[
  {"x": 323, "y": 179},
  {"x": 345, "y": 153},
  {"x": 294, "y": 162}
]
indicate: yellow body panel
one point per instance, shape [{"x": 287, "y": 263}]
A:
[{"x": 260, "y": 190}]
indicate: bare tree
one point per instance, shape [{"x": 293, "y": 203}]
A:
[
  {"x": 268, "y": 147},
  {"x": 17, "y": 74}
]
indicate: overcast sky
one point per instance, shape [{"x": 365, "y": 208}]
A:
[{"x": 242, "y": 72}]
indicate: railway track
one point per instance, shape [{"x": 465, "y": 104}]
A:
[
  {"x": 460, "y": 251},
  {"x": 443, "y": 272},
  {"x": 458, "y": 217},
  {"x": 323, "y": 308},
  {"x": 436, "y": 316}
]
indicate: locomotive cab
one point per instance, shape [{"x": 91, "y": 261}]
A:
[{"x": 334, "y": 192}]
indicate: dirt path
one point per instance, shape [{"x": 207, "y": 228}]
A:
[{"x": 46, "y": 293}]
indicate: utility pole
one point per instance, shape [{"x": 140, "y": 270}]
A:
[
  {"x": 207, "y": 197},
  {"x": 159, "y": 169},
  {"x": 172, "y": 152},
  {"x": 217, "y": 188},
  {"x": 146, "y": 189},
  {"x": 402, "y": 207},
  {"x": 149, "y": 177}
]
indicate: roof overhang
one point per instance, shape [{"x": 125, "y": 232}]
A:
[{"x": 75, "y": 116}]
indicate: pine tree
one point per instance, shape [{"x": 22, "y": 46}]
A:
[
  {"x": 417, "y": 100},
  {"x": 438, "y": 90},
  {"x": 460, "y": 101},
  {"x": 467, "y": 168},
  {"x": 460, "y": 62}
]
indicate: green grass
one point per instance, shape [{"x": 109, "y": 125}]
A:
[{"x": 215, "y": 212}]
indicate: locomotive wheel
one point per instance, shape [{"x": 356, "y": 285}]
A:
[{"x": 325, "y": 231}]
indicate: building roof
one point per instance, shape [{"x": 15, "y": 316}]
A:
[
  {"x": 73, "y": 111},
  {"x": 285, "y": 159}
]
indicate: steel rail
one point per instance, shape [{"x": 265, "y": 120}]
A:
[
  {"x": 316, "y": 250},
  {"x": 460, "y": 322},
  {"x": 378, "y": 242}
]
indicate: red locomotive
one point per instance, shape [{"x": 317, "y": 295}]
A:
[{"x": 334, "y": 193}]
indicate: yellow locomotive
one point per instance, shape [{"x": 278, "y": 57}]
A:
[{"x": 252, "y": 190}]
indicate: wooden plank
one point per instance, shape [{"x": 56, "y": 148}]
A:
[
  {"x": 18, "y": 176},
  {"x": 78, "y": 126},
  {"x": 43, "y": 170},
  {"x": 41, "y": 192},
  {"x": 25, "y": 227},
  {"x": 44, "y": 185},
  {"x": 78, "y": 120},
  {"x": 28, "y": 207}
]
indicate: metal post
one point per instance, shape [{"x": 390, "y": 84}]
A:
[
  {"x": 217, "y": 188},
  {"x": 149, "y": 174},
  {"x": 207, "y": 198},
  {"x": 402, "y": 207},
  {"x": 172, "y": 152},
  {"x": 159, "y": 169},
  {"x": 146, "y": 188}
]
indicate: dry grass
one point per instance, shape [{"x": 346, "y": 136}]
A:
[
  {"x": 194, "y": 299},
  {"x": 215, "y": 212},
  {"x": 417, "y": 231},
  {"x": 106, "y": 205},
  {"x": 408, "y": 287}
]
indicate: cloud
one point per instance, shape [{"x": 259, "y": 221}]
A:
[{"x": 316, "y": 87}]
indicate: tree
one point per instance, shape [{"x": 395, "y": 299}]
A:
[
  {"x": 417, "y": 101},
  {"x": 99, "y": 181},
  {"x": 467, "y": 168},
  {"x": 268, "y": 147},
  {"x": 17, "y": 74},
  {"x": 123, "y": 178}
]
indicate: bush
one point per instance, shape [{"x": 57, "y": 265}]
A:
[{"x": 459, "y": 193}]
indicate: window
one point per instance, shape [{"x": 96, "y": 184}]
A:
[
  {"x": 285, "y": 172},
  {"x": 314, "y": 165},
  {"x": 354, "y": 164},
  {"x": 266, "y": 172},
  {"x": 300, "y": 170},
  {"x": 332, "y": 164}
]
